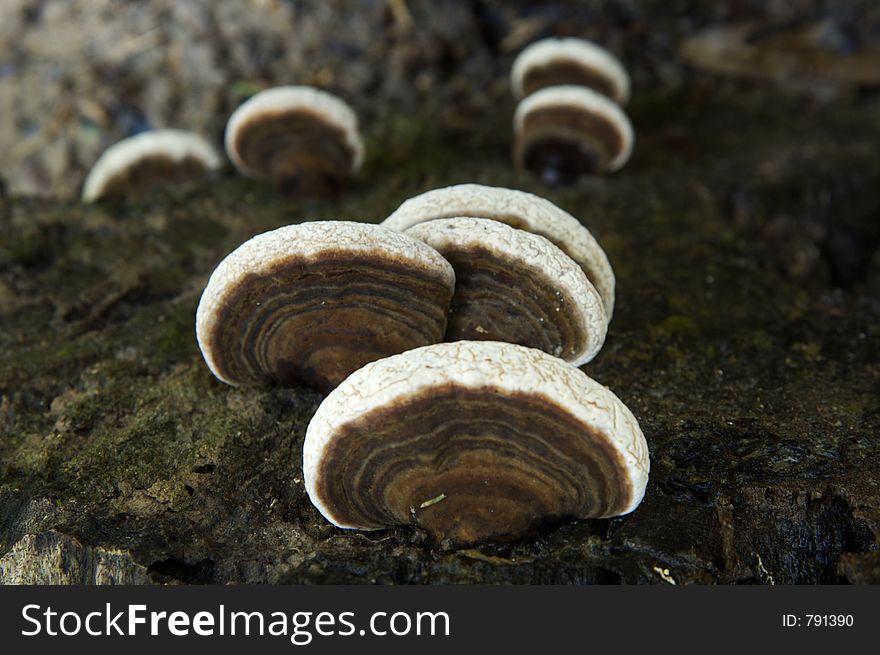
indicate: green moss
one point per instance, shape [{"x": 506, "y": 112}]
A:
[
  {"x": 675, "y": 327},
  {"x": 809, "y": 351}
]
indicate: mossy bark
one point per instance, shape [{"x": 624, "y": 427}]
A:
[{"x": 744, "y": 236}]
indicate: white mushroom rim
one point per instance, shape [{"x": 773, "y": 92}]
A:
[
  {"x": 176, "y": 145},
  {"x": 586, "y": 100},
  {"x": 534, "y": 253},
  {"x": 520, "y": 209},
  {"x": 290, "y": 98},
  {"x": 476, "y": 365},
  {"x": 585, "y": 53},
  {"x": 309, "y": 241}
]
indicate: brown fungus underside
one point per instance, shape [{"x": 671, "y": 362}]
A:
[
  {"x": 566, "y": 72},
  {"x": 298, "y": 149},
  {"x": 470, "y": 464},
  {"x": 560, "y": 144},
  {"x": 498, "y": 298},
  {"x": 315, "y": 322},
  {"x": 151, "y": 172}
]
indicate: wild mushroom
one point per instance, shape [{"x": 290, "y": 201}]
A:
[
  {"x": 512, "y": 285},
  {"x": 305, "y": 140},
  {"x": 147, "y": 160},
  {"x": 308, "y": 304},
  {"x": 472, "y": 441},
  {"x": 517, "y": 209},
  {"x": 554, "y": 62},
  {"x": 562, "y": 133}
]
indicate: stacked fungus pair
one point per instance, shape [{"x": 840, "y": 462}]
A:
[
  {"x": 569, "y": 122},
  {"x": 488, "y": 435},
  {"x": 303, "y": 139}
]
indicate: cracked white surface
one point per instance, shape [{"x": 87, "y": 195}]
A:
[
  {"x": 176, "y": 145},
  {"x": 307, "y": 242},
  {"x": 580, "y": 98},
  {"x": 585, "y": 53},
  {"x": 535, "y": 213},
  {"x": 531, "y": 250},
  {"x": 286, "y": 98},
  {"x": 475, "y": 364}
]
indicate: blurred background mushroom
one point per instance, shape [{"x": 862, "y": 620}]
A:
[
  {"x": 555, "y": 62},
  {"x": 568, "y": 123},
  {"x": 563, "y": 133},
  {"x": 147, "y": 160},
  {"x": 305, "y": 140}
]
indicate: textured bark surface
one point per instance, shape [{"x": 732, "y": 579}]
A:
[{"x": 744, "y": 234}]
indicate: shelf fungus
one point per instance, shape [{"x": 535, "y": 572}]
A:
[
  {"x": 562, "y": 133},
  {"x": 515, "y": 286},
  {"x": 304, "y": 139},
  {"x": 470, "y": 441},
  {"x": 518, "y": 209},
  {"x": 308, "y": 304},
  {"x": 554, "y": 62},
  {"x": 148, "y": 160}
]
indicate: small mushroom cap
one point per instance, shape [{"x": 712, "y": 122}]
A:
[
  {"x": 308, "y": 304},
  {"x": 471, "y": 441},
  {"x": 291, "y": 132},
  {"x": 553, "y": 62},
  {"x": 517, "y": 209},
  {"x": 148, "y": 159},
  {"x": 512, "y": 285},
  {"x": 573, "y": 129}
]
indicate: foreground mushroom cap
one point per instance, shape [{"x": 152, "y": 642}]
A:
[
  {"x": 554, "y": 62},
  {"x": 517, "y": 209},
  {"x": 472, "y": 441},
  {"x": 308, "y": 304},
  {"x": 563, "y": 133},
  {"x": 147, "y": 160},
  {"x": 512, "y": 285},
  {"x": 304, "y": 139}
]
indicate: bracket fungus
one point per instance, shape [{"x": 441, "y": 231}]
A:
[
  {"x": 304, "y": 139},
  {"x": 562, "y": 133},
  {"x": 147, "y": 160},
  {"x": 554, "y": 62},
  {"x": 518, "y": 209},
  {"x": 512, "y": 285},
  {"x": 310, "y": 303},
  {"x": 472, "y": 441}
]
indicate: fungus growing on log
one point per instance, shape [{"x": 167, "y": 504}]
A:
[
  {"x": 520, "y": 210},
  {"x": 305, "y": 140},
  {"x": 308, "y": 304},
  {"x": 472, "y": 441},
  {"x": 512, "y": 285},
  {"x": 562, "y": 133},
  {"x": 148, "y": 160},
  {"x": 555, "y": 62}
]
